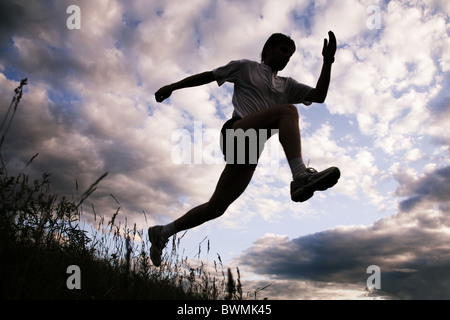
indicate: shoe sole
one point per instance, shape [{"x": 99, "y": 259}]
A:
[
  {"x": 326, "y": 182},
  {"x": 153, "y": 239}
]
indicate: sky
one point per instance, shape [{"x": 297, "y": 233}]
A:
[{"x": 89, "y": 108}]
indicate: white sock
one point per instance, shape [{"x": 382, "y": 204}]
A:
[
  {"x": 297, "y": 166},
  {"x": 168, "y": 230}
]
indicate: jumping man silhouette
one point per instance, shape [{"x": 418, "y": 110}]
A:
[{"x": 262, "y": 100}]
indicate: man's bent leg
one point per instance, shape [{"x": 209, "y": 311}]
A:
[{"x": 285, "y": 119}]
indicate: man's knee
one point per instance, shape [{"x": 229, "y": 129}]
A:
[
  {"x": 215, "y": 210},
  {"x": 289, "y": 109}
]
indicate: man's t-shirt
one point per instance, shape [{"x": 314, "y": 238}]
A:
[{"x": 257, "y": 87}]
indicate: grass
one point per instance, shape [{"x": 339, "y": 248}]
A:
[{"x": 43, "y": 233}]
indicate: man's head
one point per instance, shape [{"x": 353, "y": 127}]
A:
[{"x": 277, "y": 51}]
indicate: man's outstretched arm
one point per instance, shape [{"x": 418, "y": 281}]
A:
[
  {"x": 319, "y": 93},
  {"x": 192, "y": 81}
]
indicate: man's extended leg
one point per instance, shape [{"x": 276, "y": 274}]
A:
[{"x": 232, "y": 183}]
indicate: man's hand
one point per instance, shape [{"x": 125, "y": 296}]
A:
[
  {"x": 329, "y": 47},
  {"x": 163, "y": 93},
  {"x": 192, "y": 81},
  {"x": 319, "y": 93}
]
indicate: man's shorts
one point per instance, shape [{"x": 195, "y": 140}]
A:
[{"x": 241, "y": 147}]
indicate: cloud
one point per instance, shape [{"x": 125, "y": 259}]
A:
[
  {"x": 89, "y": 106},
  {"x": 411, "y": 248},
  {"x": 383, "y": 80},
  {"x": 433, "y": 187}
]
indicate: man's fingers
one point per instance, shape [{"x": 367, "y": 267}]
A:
[
  {"x": 329, "y": 46},
  {"x": 332, "y": 37}
]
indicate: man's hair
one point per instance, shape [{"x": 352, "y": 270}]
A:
[{"x": 274, "y": 40}]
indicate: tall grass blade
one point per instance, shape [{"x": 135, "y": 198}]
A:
[{"x": 91, "y": 189}]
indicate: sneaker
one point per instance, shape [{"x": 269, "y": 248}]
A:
[
  {"x": 158, "y": 244},
  {"x": 304, "y": 185}
]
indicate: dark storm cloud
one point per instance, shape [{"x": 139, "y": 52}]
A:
[
  {"x": 412, "y": 248},
  {"x": 89, "y": 107},
  {"x": 434, "y": 187},
  {"x": 76, "y": 111},
  {"x": 40, "y": 28}
]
